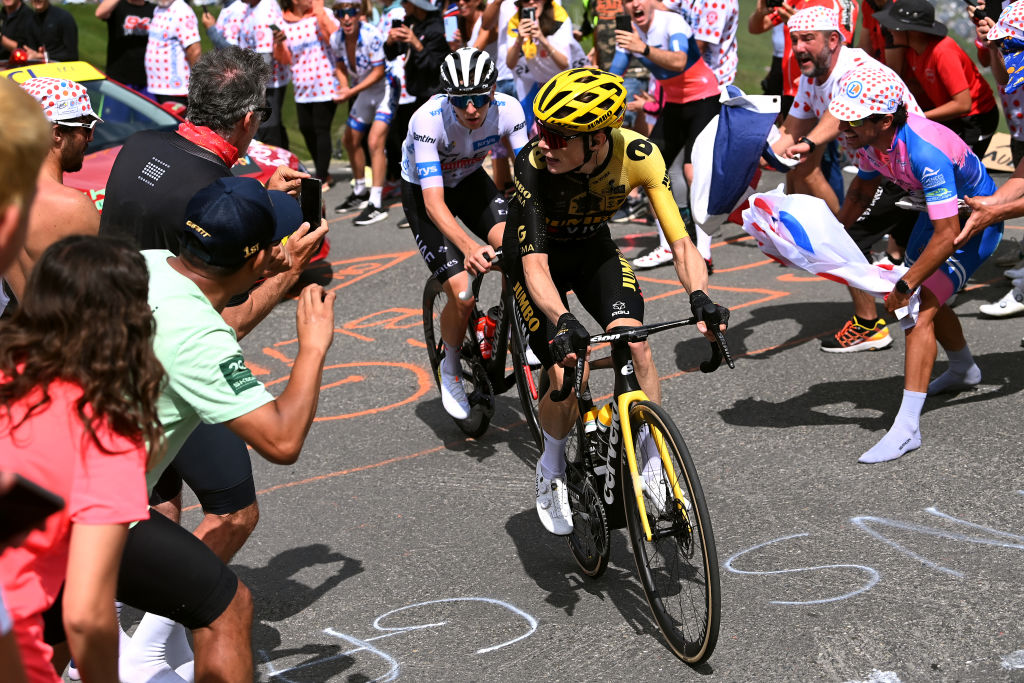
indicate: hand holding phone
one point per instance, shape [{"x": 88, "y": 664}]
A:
[
  {"x": 530, "y": 13},
  {"x": 311, "y": 201},
  {"x": 274, "y": 28}
]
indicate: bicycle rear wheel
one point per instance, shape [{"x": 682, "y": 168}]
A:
[
  {"x": 474, "y": 377},
  {"x": 589, "y": 542},
  {"x": 531, "y": 381},
  {"x": 679, "y": 567}
]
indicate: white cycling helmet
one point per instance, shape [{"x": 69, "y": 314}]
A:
[{"x": 468, "y": 71}]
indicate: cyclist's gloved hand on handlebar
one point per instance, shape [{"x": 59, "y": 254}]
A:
[
  {"x": 708, "y": 312},
  {"x": 570, "y": 337}
]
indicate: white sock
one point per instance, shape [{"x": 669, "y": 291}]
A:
[
  {"x": 179, "y": 652},
  {"x": 962, "y": 373},
  {"x": 450, "y": 362},
  {"x": 552, "y": 460},
  {"x": 375, "y": 195},
  {"x": 905, "y": 433},
  {"x": 145, "y": 658},
  {"x": 123, "y": 639},
  {"x": 187, "y": 672},
  {"x": 650, "y": 457},
  {"x": 359, "y": 185}
]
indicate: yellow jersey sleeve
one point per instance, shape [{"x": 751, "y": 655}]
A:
[{"x": 647, "y": 170}]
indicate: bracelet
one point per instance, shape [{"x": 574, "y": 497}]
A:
[
  {"x": 647, "y": 50},
  {"x": 810, "y": 143}
]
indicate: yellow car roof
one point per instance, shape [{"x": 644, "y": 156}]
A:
[{"x": 75, "y": 71}]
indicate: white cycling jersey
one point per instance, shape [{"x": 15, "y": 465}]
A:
[{"x": 440, "y": 151}]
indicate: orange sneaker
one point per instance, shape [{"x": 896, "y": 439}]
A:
[{"x": 855, "y": 337}]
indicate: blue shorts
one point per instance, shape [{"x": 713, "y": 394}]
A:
[{"x": 951, "y": 276}]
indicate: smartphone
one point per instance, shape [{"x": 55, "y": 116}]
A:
[
  {"x": 530, "y": 13},
  {"x": 772, "y": 4},
  {"x": 24, "y": 507},
  {"x": 274, "y": 27},
  {"x": 395, "y": 23},
  {"x": 623, "y": 23},
  {"x": 311, "y": 200}
]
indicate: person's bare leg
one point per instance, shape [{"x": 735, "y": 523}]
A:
[
  {"x": 864, "y": 305},
  {"x": 224, "y": 648},
  {"x": 225, "y": 534}
]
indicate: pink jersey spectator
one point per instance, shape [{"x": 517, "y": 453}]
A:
[
  {"x": 257, "y": 36},
  {"x": 312, "y": 69},
  {"x": 172, "y": 29},
  {"x": 230, "y": 20},
  {"x": 53, "y": 449}
]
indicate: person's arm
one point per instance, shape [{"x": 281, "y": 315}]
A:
[
  {"x": 277, "y": 429},
  {"x": 376, "y": 74},
  {"x": 477, "y": 257},
  {"x": 300, "y": 248},
  {"x": 791, "y": 130},
  {"x": 515, "y": 51},
  {"x": 105, "y": 9},
  {"x": 1007, "y": 202},
  {"x": 193, "y": 52},
  {"x": 762, "y": 19},
  {"x": 559, "y": 55},
  {"x": 281, "y": 52},
  {"x": 326, "y": 22},
  {"x": 958, "y": 105},
  {"x": 541, "y": 287},
  {"x": 858, "y": 198},
  {"x": 90, "y": 589},
  {"x": 69, "y": 37},
  {"x": 677, "y": 58},
  {"x": 824, "y": 131},
  {"x": 484, "y": 38},
  {"x": 939, "y": 248},
  {"x": 489, "y": 19}
]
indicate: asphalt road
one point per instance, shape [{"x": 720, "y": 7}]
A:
[{"x": 398, "y": 549}]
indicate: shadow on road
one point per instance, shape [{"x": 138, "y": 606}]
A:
[{"x": 508, "y": 430}]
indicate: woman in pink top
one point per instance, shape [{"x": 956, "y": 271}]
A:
[{"x": 78, "y": 390}]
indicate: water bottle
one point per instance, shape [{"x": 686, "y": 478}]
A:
[{"x": 485, "y": 327}]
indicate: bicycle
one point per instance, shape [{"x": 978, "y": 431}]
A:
[
  {"x": 484, "y": 378},
  {"x": 674, "y": 548}
]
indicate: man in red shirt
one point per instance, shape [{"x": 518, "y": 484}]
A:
[{"x": 940, "y": 73}]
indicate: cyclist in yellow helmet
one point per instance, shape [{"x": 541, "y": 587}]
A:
[{"x": 569, "y": 181}]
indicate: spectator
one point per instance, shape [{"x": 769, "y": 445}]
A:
[
  {"x": 127, "y": 37},
  {"x": 172, "y": 49},
  {"x": 714, "y": 25},
  {"x": 76, "y": 418},
  {"x": 308, "y": 28},
  {"x": 945, "y": 75},
  {"x": 15, "y": 27},
  {"x": 358, "y": 50},
  {"x": 422, "y": 40},
  {"x": 257, "y": 34},
  {"x": 58, "y": 211},
  {"x": 541, "y": 48},
  {"x": 54, "y": 33},
  {"x": 471, "y": 31},
  {"x": 224, "y": 29},
  {"x": 994, "y": 51}
]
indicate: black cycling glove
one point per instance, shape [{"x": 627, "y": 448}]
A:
[
  {"x": 570, "y": 337},
  {"x": 705, "y": 309}
]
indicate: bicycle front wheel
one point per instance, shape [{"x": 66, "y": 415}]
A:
[
  {"x": 474, "y": 378},
  {"x": 679, "y": 566}
]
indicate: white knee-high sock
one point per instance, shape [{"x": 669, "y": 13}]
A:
[
  {"x": 962, "y": 373},
  {"x": 145, "y": 658},
  {"x": 552, "y": 460},
  {"x": 450, "y": 362},
  {"x": 905, "y": 433},
  {"x": 179, "y": 652}
]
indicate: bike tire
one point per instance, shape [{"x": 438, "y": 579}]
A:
[
  {"x": 520, "y": 368},
  {"x": 474, "y": 378},
  {"x": 679, "y": 569},
  {"x": 589, "y": 542}
]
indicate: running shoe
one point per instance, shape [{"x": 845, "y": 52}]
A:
[
  {"x": 1011, "y": 304},
  {"x": 855, "y": 337},
  {"x": 1014, "y": 273},
  {"x": 658, "y": 256},
  {"x": 371, "y": 214},
  {"x": 635, "y": 207},
  {"x": 404, "y": 223},
  {"x": 354, "y": 201},
  {"x": 553, "y": 504},
  {"x": 453, "y": 396}
]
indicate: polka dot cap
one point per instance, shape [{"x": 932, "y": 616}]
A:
[
  {"x": 1010, "y": 24},
  {"x": 865, "y": 91},
  {"x": 60, "y": 98},
  {"x": 815, "y": 18}
]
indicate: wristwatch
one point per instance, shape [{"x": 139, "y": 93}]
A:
[
  {"x": 647, "y": 50},
  {"x": 810, "y": 143},
  {"x": 902, "y": 287}
]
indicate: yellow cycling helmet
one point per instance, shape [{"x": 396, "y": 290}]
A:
[{"x": 583, "y": 100}]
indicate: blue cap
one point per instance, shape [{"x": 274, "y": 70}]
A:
[{"x": 231, "y": 219}]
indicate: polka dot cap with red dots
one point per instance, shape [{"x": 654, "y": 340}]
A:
[
  {"x": 61, "y": 99},
  {"x": 1010, "y": 24},
  {"x": 815, "y": 18},
  {"x": 865, "y": 91}
]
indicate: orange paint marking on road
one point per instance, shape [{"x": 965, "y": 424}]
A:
[
  {"x": 350, "y": 271},
  {"x": 416, "y": 342},
  {"x": 277, "y": 355},
  {"x": 347, "y": 380},
  {"x": 257, "y": 370},
  {"x": 793, "y": 277},
  {"x": 389, "y": 323}
]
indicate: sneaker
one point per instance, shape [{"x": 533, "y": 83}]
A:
[
  {"x": 371, "y": 214},
  {"x": 453, "y": 396},
  {"x": 856, "y": 337},
  {"x": 1014, "y": 273},
  {"x": 658, "y": 256},
  {"x": 634, "y": 207},
  {"x": 404, "y": 223},
  {"x": 354, "y": 201},
  {"x": 886, "y": 259},
  {"x": 1011, "y": 304},
  {"x": 553, "y": 504},
  {"x": 73, "y": 673}
]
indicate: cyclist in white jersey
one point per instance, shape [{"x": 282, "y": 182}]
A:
[{"x": 443, "y": 179}]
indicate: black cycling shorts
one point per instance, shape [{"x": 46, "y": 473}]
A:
[
  {"x": 680, "y": 124},
  {"x": 475, "y": 201},
  {"x": 883, "y": 217},
  {"x": 593, "y": 269},
  {"x": 215, "y": 464},
  {"x": 168, "y": 571}
]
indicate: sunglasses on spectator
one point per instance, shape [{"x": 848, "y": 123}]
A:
[
  {"x": 462, "y": 101},
  {"x": 860, "y": 122},
  {"x": 264, "y": 113},
  {"x": 347, "y": 11},
  {"x": 90, "y": 124},
  {"x": 553, "y": 139}
]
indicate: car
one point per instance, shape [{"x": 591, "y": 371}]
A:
[{"x": 125, "y": 112}]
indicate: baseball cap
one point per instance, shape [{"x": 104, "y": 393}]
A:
[
  {"x": 1010, "y": 24},
  {"x": 231, "y": 219},
  {"x": 865, "y": 91},
  {"x": 815, "y": 18},
  {"x": 61, "y": 99}
]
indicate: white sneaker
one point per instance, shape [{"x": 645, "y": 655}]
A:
[
  {"x": 654, "y": 258},
  {"x": 453, "y": 396},
  {"x": 553, "y": 504},
  {"x": 1013, "y": 273},
  {"x": 1011, "y": 304},
  {"x": 73, "y": 672}
]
